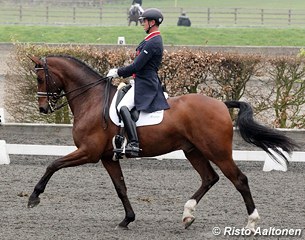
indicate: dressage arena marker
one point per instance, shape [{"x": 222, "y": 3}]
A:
[
  {"x": 2, "y": 116},
  {"x": 121, "y": 40},
  {"x": 4, "y": 157},
  {"x": 55, "y": 150}
]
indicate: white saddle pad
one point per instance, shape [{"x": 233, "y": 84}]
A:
[{"x": 144, "y": 118}]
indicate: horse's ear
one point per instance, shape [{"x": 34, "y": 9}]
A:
[{"x": 35, "y": 60}]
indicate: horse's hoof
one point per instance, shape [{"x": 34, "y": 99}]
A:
[
  {"x": 33, "y": 202},
  {"x": 188, "y": 221}
]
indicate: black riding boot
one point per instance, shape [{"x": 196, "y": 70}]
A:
[{"x": 132, "y": 148}]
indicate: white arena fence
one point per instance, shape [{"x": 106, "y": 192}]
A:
[
  {"x": 77, "y": 14},
  {"x": 57, "y": 131}
]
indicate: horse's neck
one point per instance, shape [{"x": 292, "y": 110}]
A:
[
  {"x": 83, "y": 89},
  {"x": 85, "y": 98}
]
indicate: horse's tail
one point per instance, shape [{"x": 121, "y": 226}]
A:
[{"x": 261, "y": 136}]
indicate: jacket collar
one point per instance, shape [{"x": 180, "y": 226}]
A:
[{"x": 151, "y": 35}]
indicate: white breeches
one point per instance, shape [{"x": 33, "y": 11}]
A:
[{"x": 128, "y": 99}]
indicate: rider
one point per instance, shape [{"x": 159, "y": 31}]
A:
[
  {"x": 146, "y": 94},
  {"x": 137, "y": 1}
]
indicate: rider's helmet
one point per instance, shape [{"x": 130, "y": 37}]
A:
[{"x": 152, "y": 14}]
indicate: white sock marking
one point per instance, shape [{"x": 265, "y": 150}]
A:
[
  {"x": 189, "y": 208},
  {"x": 253, "y": 218}
]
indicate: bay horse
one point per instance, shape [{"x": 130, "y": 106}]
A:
[{"x": 201, "y": 126}]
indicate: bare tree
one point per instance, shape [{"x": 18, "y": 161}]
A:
[{"x": 288, "y": 75}]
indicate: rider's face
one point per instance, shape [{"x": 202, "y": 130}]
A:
[{"x": 146, "y": 24}]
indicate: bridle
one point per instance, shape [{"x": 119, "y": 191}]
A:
[{"x": 54, "y": 96}]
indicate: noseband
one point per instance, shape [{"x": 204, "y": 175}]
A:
[{"x": 53, "y": 97}]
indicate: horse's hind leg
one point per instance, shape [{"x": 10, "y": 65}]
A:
[
  {"x": 208, "y": 178},
  {"x": 240, "y": 181},
  {"x": 115, "y": 172}
]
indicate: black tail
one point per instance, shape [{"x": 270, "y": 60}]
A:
[{"x": 261, "y": 136}]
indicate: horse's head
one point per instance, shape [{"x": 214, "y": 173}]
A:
[
  {"x": 48, "y": 85},
  {"x": 61, "y": 76}
]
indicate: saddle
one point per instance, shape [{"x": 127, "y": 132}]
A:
[{"x": 141, "y": 119}]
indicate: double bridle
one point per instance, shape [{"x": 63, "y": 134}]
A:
[{"x": 53, "y": 97}]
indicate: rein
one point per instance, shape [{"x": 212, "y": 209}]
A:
[
  {"x": 53, "y": 97},
  {"x": 59, "y": 96}
]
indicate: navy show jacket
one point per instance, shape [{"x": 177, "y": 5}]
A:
[{"x": 149, "y": 95}]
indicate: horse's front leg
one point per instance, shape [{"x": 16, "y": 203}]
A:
[
  {"x": 115, "y": 172},
  {"x": 75, "y": 158}
]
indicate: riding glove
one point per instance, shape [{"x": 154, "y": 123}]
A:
[{"x": 113, "y": 73}]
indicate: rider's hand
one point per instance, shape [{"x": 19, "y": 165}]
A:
[{"x": 113, "y": 73}]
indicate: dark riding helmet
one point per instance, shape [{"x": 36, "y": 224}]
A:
[{"x": 152, "y": 14}]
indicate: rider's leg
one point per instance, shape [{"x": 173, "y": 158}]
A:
[
  {"x": 124, "y": 107},
  {"x": 127, "y": 100},
  {"x": 132, "y": 147}
]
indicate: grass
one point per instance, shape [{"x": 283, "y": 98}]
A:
[{"x": 171, "y": 35}]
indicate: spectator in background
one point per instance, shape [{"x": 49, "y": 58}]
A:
[
  {"x": 184, "y": 20},
  {"x": 137, "y": 1}
]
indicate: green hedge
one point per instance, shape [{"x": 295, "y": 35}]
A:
[{"x": 274, "y": 86}]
